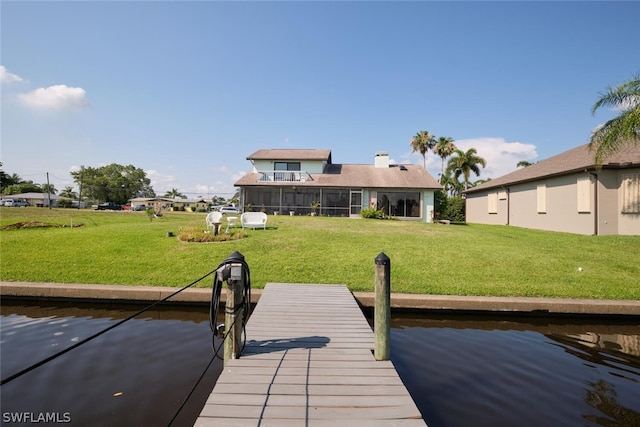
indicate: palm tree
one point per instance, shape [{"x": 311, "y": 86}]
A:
[
  {"x": 450, "y": 184},
  {"x": 478, "y": 182},
  {"x": 523, "y": 163},
  {"x": 174, "y": 194},
  {"x": 7, "y": 180},
  {"x": 49, "y": 188},
  {"x": 422, "y": 142},
  {"x": 68, "y": 192},
  {"x": 444, "y": 148},
  {"x": 622, "y": 130},
  {"x": 464, "y": 163}
]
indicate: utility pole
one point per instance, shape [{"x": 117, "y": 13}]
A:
[
  {"x": 48, "y": 190},
  {"x": 80, "y": 190}
]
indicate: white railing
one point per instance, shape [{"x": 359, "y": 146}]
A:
[{"x": 283, "y": 176}]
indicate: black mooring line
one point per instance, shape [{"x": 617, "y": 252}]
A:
[{"x": 86, "y": 340}]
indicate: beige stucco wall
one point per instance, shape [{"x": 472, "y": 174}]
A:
[
  {"x": 562, "y": 207},
  {"x": 627, "y": 224},
  {"x": 477, "y": 209},
  {"x": 520, "y": 208}
]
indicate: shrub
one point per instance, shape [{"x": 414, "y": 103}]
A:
[
  {"x": 372, "y": 213},
  {"x": 65, "y": 203},
  {"x": 455, "y": 210}
]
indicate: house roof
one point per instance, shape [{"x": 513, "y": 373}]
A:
[
  {"x": 166, "y": 199},
  {"x": 43, "y": 196},
  {"x": 367, "y": 176},
  {"x": 291, "y": 154},
  {"x": 571, "y": 161}
]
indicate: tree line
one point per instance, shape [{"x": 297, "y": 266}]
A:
[
  {"x": 449, "y": 203},
  {"x": 459, "y": 164},
  {"x": 112, "y": 183}
]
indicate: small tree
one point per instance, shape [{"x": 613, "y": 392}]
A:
[{"x": 314, "y": 207}]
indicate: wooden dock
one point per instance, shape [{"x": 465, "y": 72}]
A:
[{"x": 308, "y": 361}]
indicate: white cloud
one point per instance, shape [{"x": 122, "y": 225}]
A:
[
  {"x": 7, "y": 77},
  {"x": 55, "y": 97},
  {"x": 161, "y": 182},
  {"x": 501, "y": 156}
]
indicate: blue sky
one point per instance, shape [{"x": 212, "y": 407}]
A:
[{"x": 187, "y": 90}]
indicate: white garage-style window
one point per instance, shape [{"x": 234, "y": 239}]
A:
[
  {"x": 542, "y": 198},
  {"x": 630, "y": 189},
  {"x": 584, "y": 194},
  {"x": 493, "y": 203}
]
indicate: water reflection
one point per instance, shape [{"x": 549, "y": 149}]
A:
[
  {"x": 138, "y": 374},
  {"x": 603, "y": 397},
  {"x": 530, "y": 372},
  {"x": 461, "y": 371}
]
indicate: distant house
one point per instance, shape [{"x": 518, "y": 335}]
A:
[
  {"x": 564, "y": 193},
  {"x": 38, "y": 199},
  {"x": 165, "y": 203},
  {"x": 302, "y": 181}
]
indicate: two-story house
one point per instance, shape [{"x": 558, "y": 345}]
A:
[{"x": 302, "y": 181}]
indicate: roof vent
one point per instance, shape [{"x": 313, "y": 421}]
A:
[{"x": 382, "y": 160}]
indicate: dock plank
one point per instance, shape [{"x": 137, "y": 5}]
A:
[{"x": 308, "y": 361}]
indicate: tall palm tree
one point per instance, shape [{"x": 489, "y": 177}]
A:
[
  {"x": 444, "y": 148},
  {"x": 625, "y": 128},
  {"x": 463, "y": 163},
  {"x": 174, "y": 194},
  {"x": 422, "y": 142}
]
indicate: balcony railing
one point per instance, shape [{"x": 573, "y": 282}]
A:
[{"x": 284, "y": 176}]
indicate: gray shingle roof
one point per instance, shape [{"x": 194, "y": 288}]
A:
[
  {"x": 291, "y": 154},
  {"x": 365, "y": 176},
  {"x": 571, "y": 161}
]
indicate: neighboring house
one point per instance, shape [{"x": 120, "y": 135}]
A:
[
  {"x": 200, "y": 205},
  {"x": 165, "y": 203},
  {"x": 302, "y": 181},
  {"x": 564, "y": 193},
  {"x": 37, "y": 199}
]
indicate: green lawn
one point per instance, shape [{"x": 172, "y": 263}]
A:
[{"x": 126, "y": 248}]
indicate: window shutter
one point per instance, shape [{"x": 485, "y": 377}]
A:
[
  {"x": 542, "y": 198},
  {"x": 493, "y": 203},
  {"x": 630, "y": 193},
  {"x": 584, "y": 194}
]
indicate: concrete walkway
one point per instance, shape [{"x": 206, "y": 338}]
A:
[{"x": 400, "y": 301}]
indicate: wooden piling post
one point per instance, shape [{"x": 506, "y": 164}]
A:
[
  {"x": 382, "y": 311},
  {"x": 234, "y": 311}
]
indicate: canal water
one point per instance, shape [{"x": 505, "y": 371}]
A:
[
  {"x": 479, "y": 371},
  {"x": 460, "y": 370}
]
